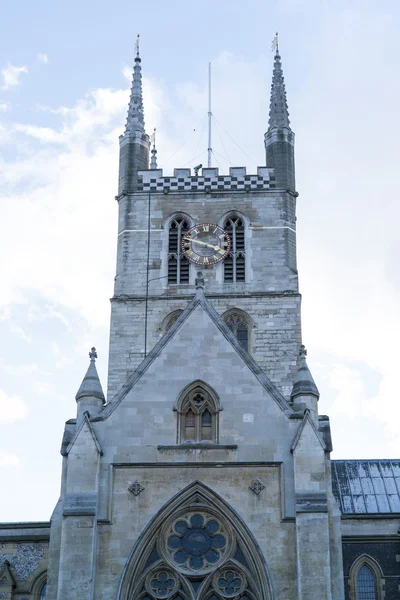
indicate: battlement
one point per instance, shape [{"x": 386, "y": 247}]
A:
[{"x": 182, "y": 180}]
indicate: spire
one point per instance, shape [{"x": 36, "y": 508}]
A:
[
  {"x": 279, "y": 138},
  {"x": 91, "y": 386},
  {"x": 304, "y": 384},
  {"x": 278, "y": 108},
  {"x": 135, "y": 120},
  {"x": 153, "y": 161}
]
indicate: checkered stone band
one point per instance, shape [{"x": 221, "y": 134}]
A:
[{"x": 264, "y": 181}]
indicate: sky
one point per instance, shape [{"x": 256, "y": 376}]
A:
[{"x": 65, "y": 71}]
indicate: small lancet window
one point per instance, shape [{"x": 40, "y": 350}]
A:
[
  {"x": 234, "y": 264},
  {"x": 366, "y": 584},
  {"x": 239, "y": 328},
  {"x": 198, "y": 417},
  {"x": 178, "y": 264},
  {"x": 43, "y": 592}
]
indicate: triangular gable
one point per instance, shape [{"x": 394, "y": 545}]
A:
[
  {"x": 85, "y": 421},
  {"x": 198, "y": 300},
  {"x": 6, "y": 578},
  {"x": 307, "y": 419}
]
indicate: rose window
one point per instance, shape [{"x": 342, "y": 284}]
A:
[
  {"x": 162, "y": 584},
  {"x": 230, "y": 583},
  {"x": 196, "y": 542}
]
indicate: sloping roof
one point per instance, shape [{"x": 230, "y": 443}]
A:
[{"x": 366, "y": 486}]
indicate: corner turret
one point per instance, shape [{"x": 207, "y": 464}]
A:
[
  {"x": 279, "y": 139},
  {"x": 90, "y": 395},
  {"x": 134, "y": 143}
]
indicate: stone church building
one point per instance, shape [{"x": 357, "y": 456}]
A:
[{"x": 205, "y": 472}]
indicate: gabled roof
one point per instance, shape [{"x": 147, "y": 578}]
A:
[
  {"x": 198, "y": 300},
  {"x": 85, "y": 421},
  {"x": 366, "y": 486}
]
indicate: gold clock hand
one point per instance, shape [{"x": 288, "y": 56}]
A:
[{"x": 202, "y": 243}]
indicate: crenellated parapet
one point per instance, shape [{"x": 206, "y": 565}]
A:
[{"x": 210, "y": 180}]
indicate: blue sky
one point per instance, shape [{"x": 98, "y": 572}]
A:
[{"x": 65, "y": 73}]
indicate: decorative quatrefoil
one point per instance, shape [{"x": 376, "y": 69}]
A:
[
  {"x": 136, "y": 488},
  {"x": 257, "y": 486}
]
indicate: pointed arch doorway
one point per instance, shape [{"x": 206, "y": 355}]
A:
[{"x": 196, "y": 548}]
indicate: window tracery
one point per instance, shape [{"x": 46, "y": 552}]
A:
[
  {"x": 240, "y": 327},
  {"x": 198, "y": 416},
  {"x": 196, "y": 548},
  {"x": 178, "y": 264},
  {"x": 234, "y": 264}
]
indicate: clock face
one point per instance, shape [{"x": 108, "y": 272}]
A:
[{"x": 206, "y": 244}]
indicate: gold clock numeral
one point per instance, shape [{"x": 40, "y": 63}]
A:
[
  {"x": 216, "y": 257},
  {"x": 216, "y": 229},
  {"x": 206, "y": 228},
  {"x": 205, "y": 260}
]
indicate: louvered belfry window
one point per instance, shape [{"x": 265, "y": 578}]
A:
[
  {"x": 178, "y": 264},
  {"x": 234, "y": 264}
]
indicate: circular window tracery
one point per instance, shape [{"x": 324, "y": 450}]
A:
[{"x": 196, "y": 542}]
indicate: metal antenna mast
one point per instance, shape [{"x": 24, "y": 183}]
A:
[{"x": 209, "y": 115}]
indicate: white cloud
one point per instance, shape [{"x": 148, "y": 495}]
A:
[
  {"x": 4, "y": 107},
  {"x": 18, "y": 370},
  {"x": 42, "y": 57},
  {"x": 12, "y": 408},
  {"x": 7, "y": 459},
  {"x": 11, "y": 75}
]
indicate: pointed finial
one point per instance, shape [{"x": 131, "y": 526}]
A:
[
  {"x": 302, "y": 352},
  {"x": 93, "y": 354},
  {"x": 278, "y": 108},
  {"x": 137, "y": 47},
  {"x": 135, "y": 119},
  {"x": 304, "y": 383},
  {"x": 153, "y": 162},
  {"x": 199, "y": 281},
  {"x": 274, "y": 45}
]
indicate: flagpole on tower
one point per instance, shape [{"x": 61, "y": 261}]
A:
[{"x": 209, "y": 115}]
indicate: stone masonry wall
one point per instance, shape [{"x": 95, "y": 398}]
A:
[{"x": 269, "y": 295}]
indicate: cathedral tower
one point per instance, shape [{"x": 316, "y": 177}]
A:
[{"x": 254, "y": 288}]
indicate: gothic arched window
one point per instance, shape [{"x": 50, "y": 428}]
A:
[
  {"x": 366, "y": 584},
  {"x": 196, "y": 543},
  {"x": 240, "y": 327},
  {"x": 198, "y": 413},
  {"x": 366, "y": 579},
  {"x": 234, "y": 264},
  {"x": 178, "y": 264}
]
